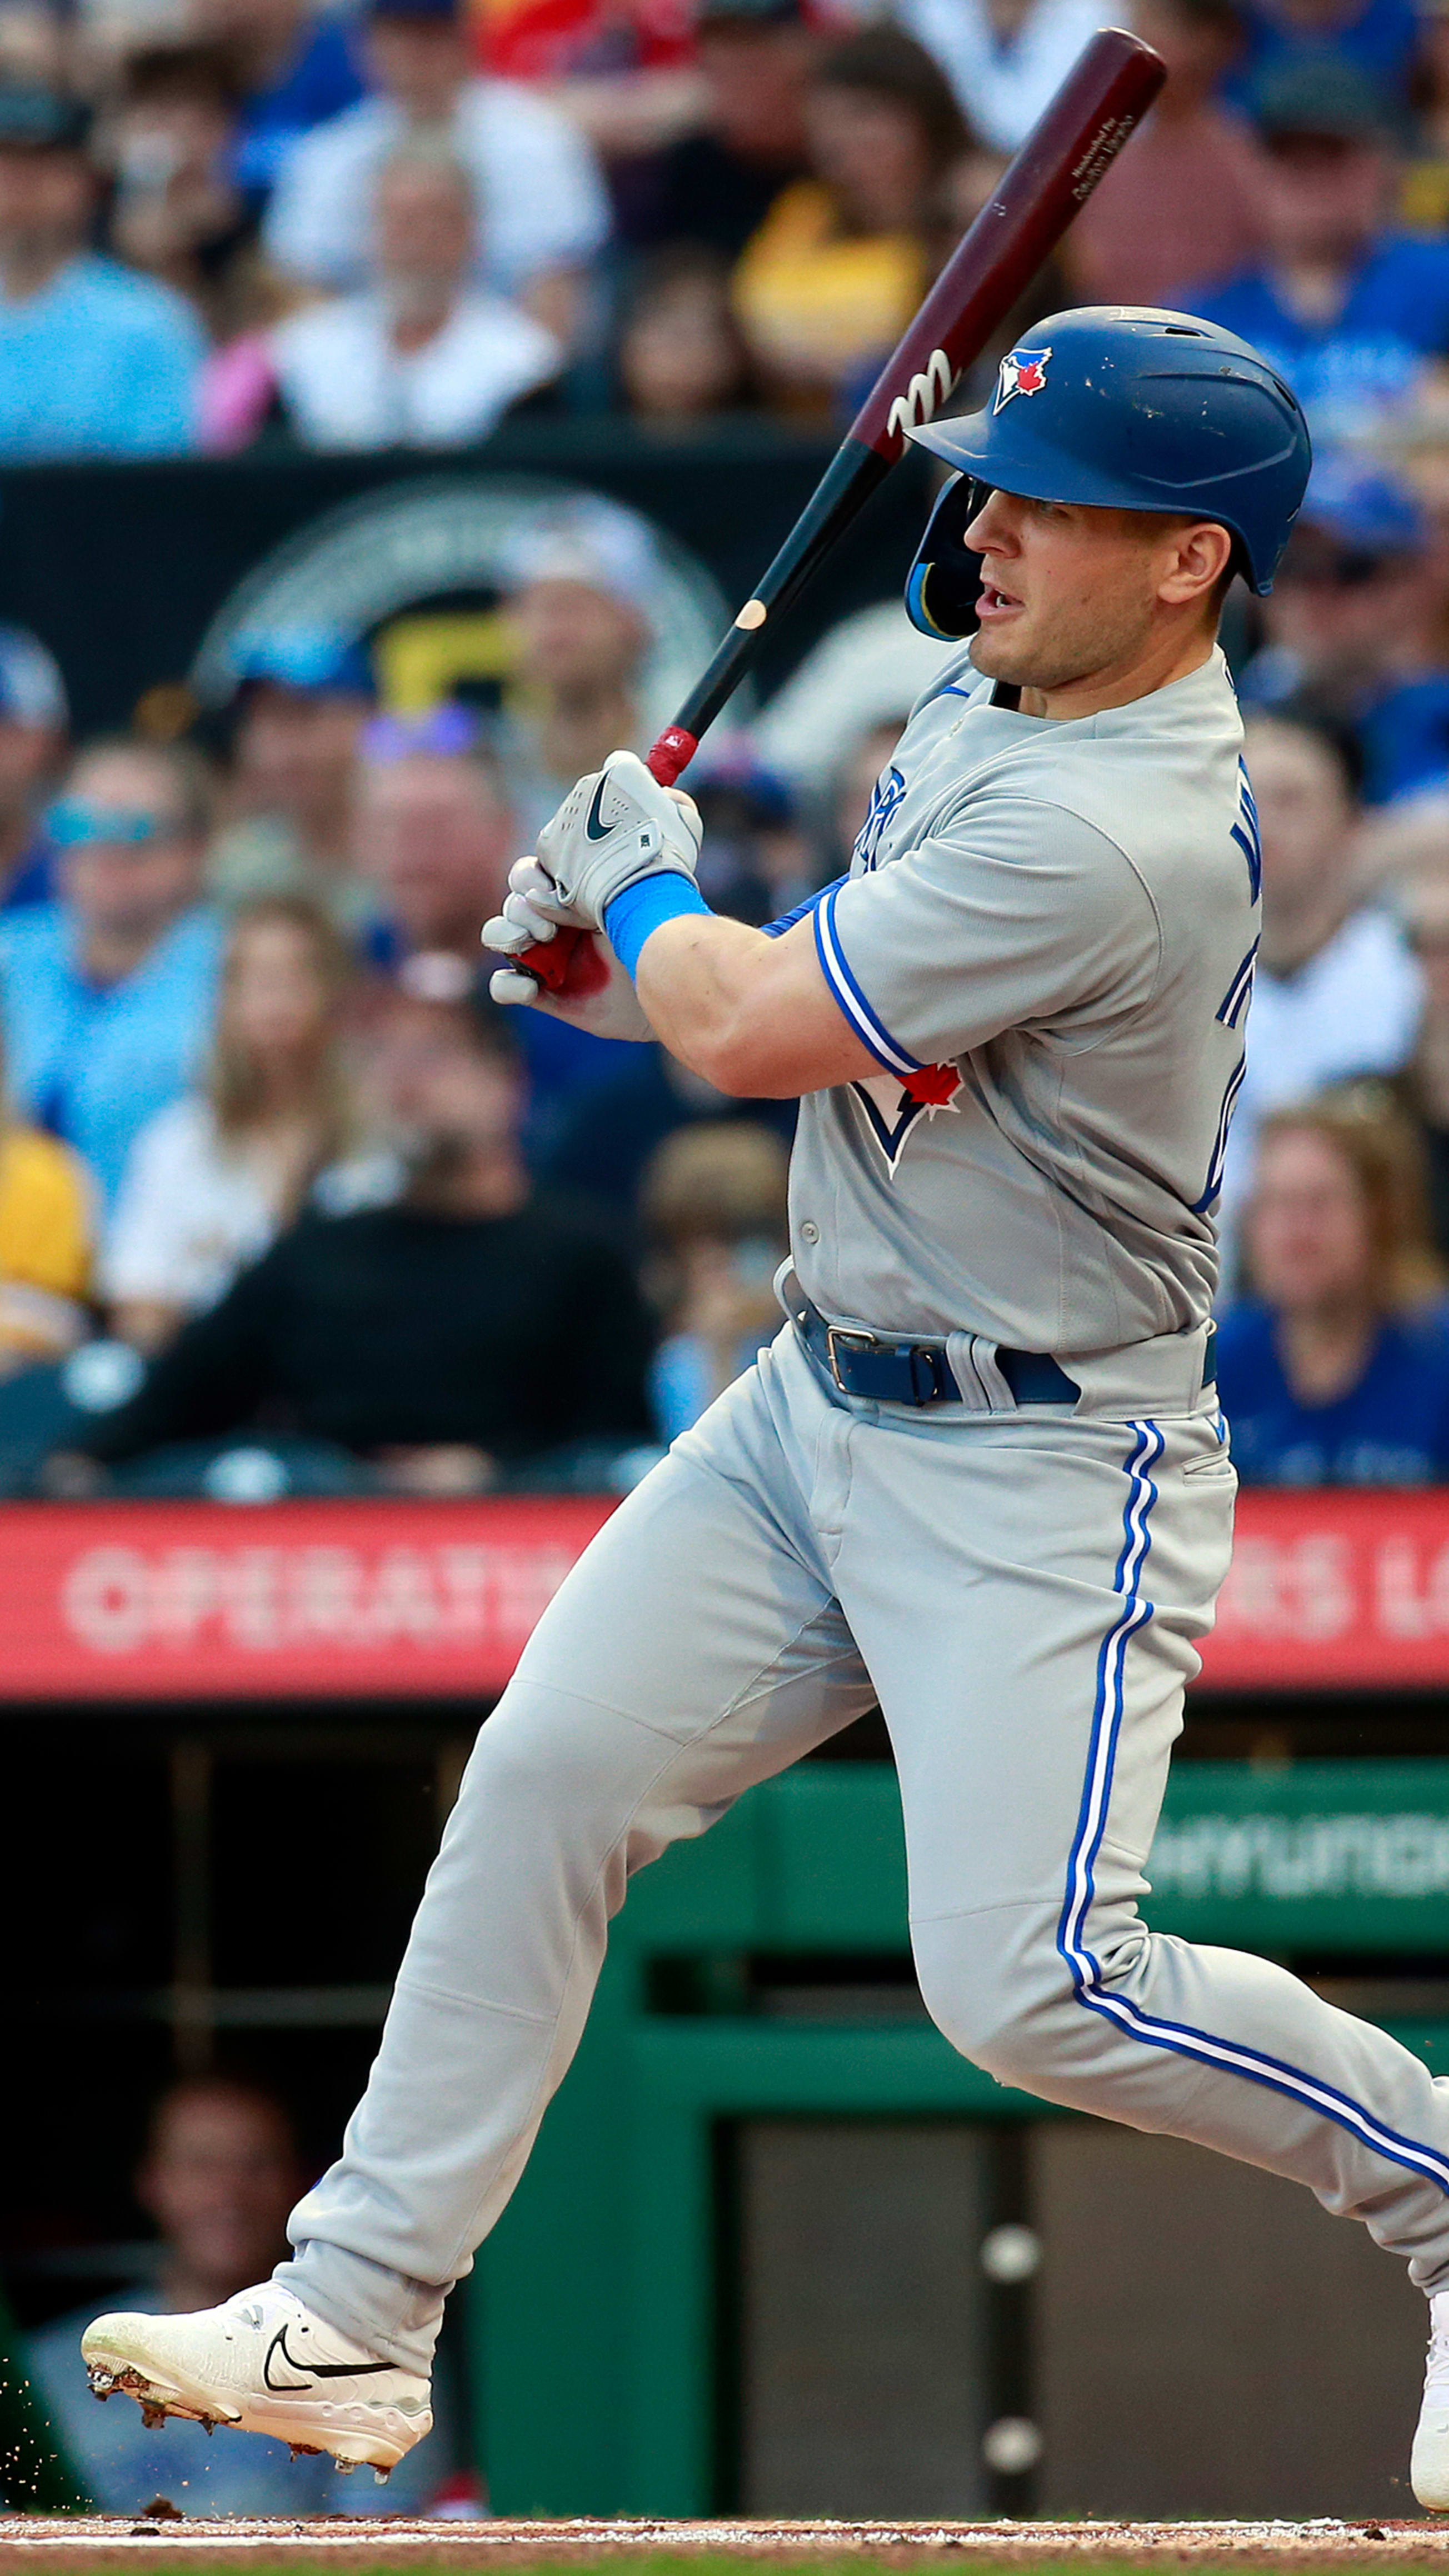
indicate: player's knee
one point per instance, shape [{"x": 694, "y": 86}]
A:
[{"x": 996, "y": 1989}]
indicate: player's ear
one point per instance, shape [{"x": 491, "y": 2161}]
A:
[{"x": 1197, "y": 557}]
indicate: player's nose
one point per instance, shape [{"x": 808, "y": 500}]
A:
[{"x": 992, "y": 530}]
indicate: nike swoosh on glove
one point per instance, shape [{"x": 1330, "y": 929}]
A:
[
  {"x": 596, "y": 994},
  {"x": 616, "y": 826}
]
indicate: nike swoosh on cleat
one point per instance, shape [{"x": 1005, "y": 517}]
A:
[
  {"x": 316, "y": 2369},
  {"x": 595, "y": 828}
]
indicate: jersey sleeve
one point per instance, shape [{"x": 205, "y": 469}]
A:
[{"x": 1022, "y": 913}]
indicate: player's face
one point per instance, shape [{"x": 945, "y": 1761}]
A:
[{"x": 1069, "y": 594}]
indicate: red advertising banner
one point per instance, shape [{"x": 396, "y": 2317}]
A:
[
  {"x": 209, "y": 1600},
  {"x": 147, "y": 1601},
  {"x": 1335, "y": 1591}
]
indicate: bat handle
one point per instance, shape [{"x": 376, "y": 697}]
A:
[
  {"x": 671, "y": 754},
  {"x": 551, "y": 959}
]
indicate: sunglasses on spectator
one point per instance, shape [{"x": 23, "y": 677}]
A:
[{"x": 74, "y": 824}]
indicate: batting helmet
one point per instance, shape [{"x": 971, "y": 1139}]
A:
[{"x": 1123, "y": 408}]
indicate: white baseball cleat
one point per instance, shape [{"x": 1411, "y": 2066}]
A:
[
  {"x": 1429, "y": 2459},
  {"x": 266, "y": 2364}
]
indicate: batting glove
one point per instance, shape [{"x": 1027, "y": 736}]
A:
[
  {"x": 596, "y": 994},
  {"x": 617, "y": 825}
]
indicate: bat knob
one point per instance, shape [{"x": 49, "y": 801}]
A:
[{"x": 549, "y": 959}]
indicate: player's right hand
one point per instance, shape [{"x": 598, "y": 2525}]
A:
[{"x": 596, "y": 993}]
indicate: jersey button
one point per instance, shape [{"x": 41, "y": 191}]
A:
[{"x": 810, "y": 1231}]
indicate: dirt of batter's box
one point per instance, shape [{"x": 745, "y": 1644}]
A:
[{"x": 73, "y": 2546}]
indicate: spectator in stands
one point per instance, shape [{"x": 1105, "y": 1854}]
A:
[
  {"x": 1337, "y": 1371},
  {"x": 756, "y": 862},
  {"x": 1004, "y": 58},
  {"x": 107, "y": 994},
  {"x": 32, "y": 44},
  {"x": 584, "y": 44},
  {"x": 302, "y": 695},
  {"x": 210, "y": 1180},
  {"x": 681, "y": 355},
  {"x": 713, "y": 1202},
  {"x": 421, "y": 357},
  {"x": 1377, "y": 38},
  {"x": 579, "y": 613},
  {"x": 716, "y": 184},
  {"x": 93, "y": 361},
  {"x": 177, "y": 213},
  {"x": 1184, "y": 201},
  {"x": 34, "y": 717},
  {"x": 47, "y": 1225},
  {"x": 467, "y": 1329},
  {"x": 542, "y": 207},
  {"x": 1336, "y": 992},
  {"x": 218, "y": 2176},
  {"x": 1424, "y": 201},
  {"x": 297, "y": 64},
  {"x": 828, "y": 283},
  {"x": 1354, "y": 627},
  {"x": 1351, "y": 310},
  {"x": 434, "y": 833},
  {"x": 1423, "y": 1088}
]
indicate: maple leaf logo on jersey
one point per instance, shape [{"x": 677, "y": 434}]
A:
[
  {"x": 894, "y": 1107},
  {"x": 1024, "y": 372}
]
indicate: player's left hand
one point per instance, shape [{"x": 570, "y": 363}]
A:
[
  {"x": 617, "y": 825},
  {"x": 596, "y": 994}
]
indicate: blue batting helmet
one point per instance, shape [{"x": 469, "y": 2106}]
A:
[{"x": 1123, "y": 408}]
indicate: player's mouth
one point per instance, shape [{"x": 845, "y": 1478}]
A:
[{"x": 994, "y": 604}]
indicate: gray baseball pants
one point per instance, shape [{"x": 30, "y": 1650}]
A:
[{"x": 1021, "y": 1593}]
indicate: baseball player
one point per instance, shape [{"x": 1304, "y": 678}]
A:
[{"x": 981, "y": 1476}]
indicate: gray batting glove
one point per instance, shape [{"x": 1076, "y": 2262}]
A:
[{"x": 616, "y": 826}]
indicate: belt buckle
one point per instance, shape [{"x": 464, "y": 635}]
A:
[{"x": 837, "y": 1337}]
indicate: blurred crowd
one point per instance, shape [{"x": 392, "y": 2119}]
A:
[
  {"x": 357, "y": 224},
  {"x": 283, "y": 1194},
  {"x": 285, "y": 1203}
]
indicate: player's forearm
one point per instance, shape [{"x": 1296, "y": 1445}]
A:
[{"x": 707, "y": 986}]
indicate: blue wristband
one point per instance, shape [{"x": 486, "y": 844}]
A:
[{"x": 632, "y": 915}]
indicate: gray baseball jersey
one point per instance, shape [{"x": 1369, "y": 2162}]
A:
[{"x": 1047, "y": 941}]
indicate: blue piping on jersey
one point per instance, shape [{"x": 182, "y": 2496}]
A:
[
  {"x": 850, "y": 997},
  {"x": 1181, "y": 2038},
  {"x": 1213, "y": 1191},
  {"x": 787, "y": 920},
  {"x": 1230, "y": 1008},
  {"x": 1246, "y": 833}
]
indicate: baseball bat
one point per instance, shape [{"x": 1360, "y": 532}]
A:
[{"x": 1073, "y": 143}]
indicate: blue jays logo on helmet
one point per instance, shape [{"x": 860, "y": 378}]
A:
[{"x": 1023, "y": 372}]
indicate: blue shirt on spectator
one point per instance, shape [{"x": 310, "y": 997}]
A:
[
  {"x": 1382, "y": 40},
  {"x": 322, "y": 78},
  {"x": 1394, "y": 317},
  {"x": 99, "y": 363},
  {"x": 93, "y": 1063},
  {"x": 1390, "y": 1429},
  {"x": 33, "y": 878}
]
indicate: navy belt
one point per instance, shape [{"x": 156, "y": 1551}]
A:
[{"x": 881, "y": 1370}]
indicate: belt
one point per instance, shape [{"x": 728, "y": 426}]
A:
[{"x": 883, "y": 1370}]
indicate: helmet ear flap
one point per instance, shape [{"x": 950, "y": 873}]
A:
[{"x": 945, "y": 579}]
